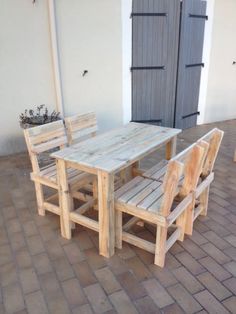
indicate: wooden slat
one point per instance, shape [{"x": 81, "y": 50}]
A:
[
  {"x": 172, "y": 239},
  {"x": 84, "y": 221},
  {"x": 134, "y": 191},
  {"x": 52, "y": 208},
  {"x": 141, "y": 243}
]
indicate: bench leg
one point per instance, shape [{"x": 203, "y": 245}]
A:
[
  {"x": 160, "y": 251},
  {"x": 189, "y": 219},
  {"x": 181, "y": 223},
  {"x": 203, "y": 198},
  {"x": 118, "y": 229},
  {"x": 40, "y": 198}
]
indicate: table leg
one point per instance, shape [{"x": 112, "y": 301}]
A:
[
  {"x": 64, "y": 199},
  {"x": 106, "y": 213},
  {"x": 171, "y": 148}
]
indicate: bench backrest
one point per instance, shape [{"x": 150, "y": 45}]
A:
[
  {"x": 182, "y": 175},
  {"x": 80, "y": 126},
  {"x": 214, "y": 139},
  {"x": 43, "y": 138}
]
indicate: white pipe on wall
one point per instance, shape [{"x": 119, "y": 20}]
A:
[{"x": 55, "y": 56}]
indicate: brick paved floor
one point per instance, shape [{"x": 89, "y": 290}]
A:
[{"x": 40, "y": 272}]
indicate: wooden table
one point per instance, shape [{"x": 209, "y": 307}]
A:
[{"x": 105, "y": 155}]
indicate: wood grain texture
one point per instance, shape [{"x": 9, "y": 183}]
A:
[{"x": 118, "y": 148}]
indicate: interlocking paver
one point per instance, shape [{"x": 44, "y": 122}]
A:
[
  {"x": 13, "y": 298},
  {"x": 214, "y": 286},
  {"x": 210, "y": 303},
  {"x": 97, "y": 298},
  {"x": 230, "y": 304},
  {"x": 184, "y": 299},
  {"x": 188, "y": 280},
  {"x": 107, "y": 280},
  {"x": 130, "y": 283},
  {"x": 158, "y": 294},
  {"x": 122, "y": 303},
  {"x": 35, "y": 303}
]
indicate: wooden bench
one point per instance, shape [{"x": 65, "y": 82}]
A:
[
  {"x": 206, "y": 176},
  {"x": 45, "y": 138},
  {"x": 154, "y": 202}
]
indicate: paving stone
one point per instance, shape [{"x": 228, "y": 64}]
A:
[
  {"x": 8, "y": 274},
  {"x": 50, "y": 285},
  {"x": 23, "y": 258},
  {"x": 210, "y": 303},
  {"x": 188, "y": 280},
  {"x": 107, "y": 280},
  {"x": 73, "y": 253},
  {"x": 35, "y": 245},
  {"x": 231, "y": 267},
  {"x": 63, "y": 269},
  {"x": 84, "y": 274},
  {"x": 230, "y": 304},
  {"x": 58, "y": 305},
  {"x": 73, "y": 292},
  {"x": 12, "y": 298},
  {"x": 158, "y": 294},
  {"x": 215, "y": 253},
  {"x": 231, "y": 284},
  {"x": 214, "y": 268},
  {"x": 140, "y": 270},
  {"x": 131, "y": 285},
  {"x": 83, "y": 309},
  {"x": 190, "y": 263},
  {"x": 173, "y": 309},
  {"x": 17, "y": 241},
  {"x": 164, "y": 276},
  {"x": 29, "y": 280},
  {"x": 97, "y": 298},
  {"x": 5, "y": 254},
  {"x": 216, "y": 240},
  {"x": 184, "y": 299},
  {"x": 146, "y": 305},
  {"x": 193, "y": 249},
  {"x": 214, "y": 286},
  {"x": 122, "y": 303},
  {"x": 42, "y": 263},
  {"x": 35, "y": 303}
]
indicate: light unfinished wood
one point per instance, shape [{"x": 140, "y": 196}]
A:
[
  {"x": 210, "y": 143},
  {"x": 107, "y": 154},
  {"x": 171, "y": 148},
  {"x": 81, "y": 126},
  {"x": 118, "y": 148},
  {"x": 42, "y": 139},
  {"x": 153, "y": 202}
]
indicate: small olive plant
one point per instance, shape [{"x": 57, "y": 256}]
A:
[{"x": 38, "y": 117}]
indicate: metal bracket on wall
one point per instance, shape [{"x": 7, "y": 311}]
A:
[
  {"x": 197, "y": 16},
  {"x": 191, "y": 114},
  {"x": 148, "y": 14},
  {"x": 147, "y": 121},
  {"x": 148, "y": 68},
  {"x": 195, "y": 65}
]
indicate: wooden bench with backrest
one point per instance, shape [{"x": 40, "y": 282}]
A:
[
  {"x": 206, "y": 176},
  {"x": 43, "y": 139},
  {"x": 154, "y": 202}
]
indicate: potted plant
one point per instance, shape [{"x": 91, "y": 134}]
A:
[{"x": 31, "y": 118}]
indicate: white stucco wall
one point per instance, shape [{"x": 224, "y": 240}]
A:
[
  {"x": 90, "y": 38},
  {"x": 25, "y": 66},
  {"x": 221, "y": 92}
]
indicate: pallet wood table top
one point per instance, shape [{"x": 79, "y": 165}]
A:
[{"x": 118, "y": 148}]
